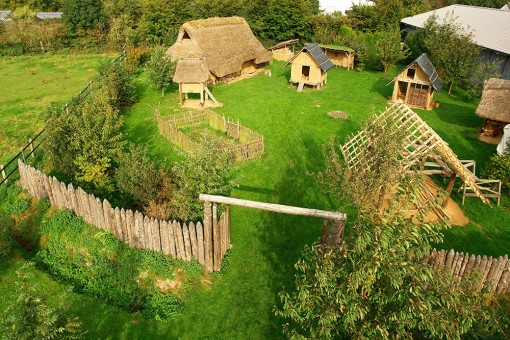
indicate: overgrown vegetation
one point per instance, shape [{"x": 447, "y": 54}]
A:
[{"x": 160, "y": 69}]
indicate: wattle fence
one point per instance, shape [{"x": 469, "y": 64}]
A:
[
  {"x": 250, "y": 144},
  {"x": 206, "y": 242}
]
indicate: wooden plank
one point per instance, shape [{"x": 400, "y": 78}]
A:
[
  {"x": 123, "y": 226},
  {"x": 117, "y": 223},
  {"x": 284, "y": 209},
  {"x": 139, "y": 230},
  {"x": 216, "y": 239},
  {"x": 504, "y": 282},
  {"x": 208, "y": 237},
  {"x": 449, "y": 260},
  {"x": 193, "y": 240},
  {"x": 156, "y": 234},
  {"x": 107, "y": 208},
  {"x": 179, "y": 242},
  {"x": 163, "y": 232},
  {"x": 130, "y": 226},
  {"x": 200, "y": 243},
  {"x": 171, "y": 240},
  {"x": 187, "y": 242},
  {"x": 147, "y": 233}
]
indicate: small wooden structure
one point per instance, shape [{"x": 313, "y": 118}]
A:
[
  {"x": 421, "y": 142},
  {"x": 310, "y": 67},
  {"x": 495, "y": 106},
  {"x": 416, "y": 84},
  {"x": 340, "y": 56},
  {"x": 192, "y": 75},
  {"x": 283, "y": 50},
  {"x": 227, "y": 45}
]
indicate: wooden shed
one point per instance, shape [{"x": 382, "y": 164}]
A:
[
  {"x": 192, "y": 76},
  {"x": 416, "y": 84},
  {"x": 495, "y": 106},
  {"x": 340, "y": 56},
  {"x": 283, "y": 50},
  {"x": 227, "y": 45},
  {"x": 310, "y": 67}
]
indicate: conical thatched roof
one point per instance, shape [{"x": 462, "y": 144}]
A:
[
  {"x": 495, "y": 104},
  {"x": 225, "y": 43},
  {"x": 191, "y": 70}
]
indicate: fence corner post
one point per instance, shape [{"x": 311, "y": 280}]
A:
[
  {"x": 3, "y": 172},
  {"x": 208, "y": 236}
]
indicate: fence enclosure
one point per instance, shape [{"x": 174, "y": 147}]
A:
[
  {"x": 206, "y": 242},
  {"x": 250, "y": 144}
]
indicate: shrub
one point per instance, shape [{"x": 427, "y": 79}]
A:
[
  {"x": 17, "y": 206},
  {"x": 499, "y": 168},
  {"x": 6, "y": 224},
  {"x": 117, "y": 82},
  {"x": 161, "y": 306}
]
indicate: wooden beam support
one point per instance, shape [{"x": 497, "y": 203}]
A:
[
  {"x": 449, "y": 188},
  {"x": 279, "y": 208}
]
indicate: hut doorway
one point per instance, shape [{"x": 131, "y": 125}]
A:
[
  {"x": 402, "y": 90},
  {"x": 305, "y": 72},
  {"x": 249, "y": 67}
]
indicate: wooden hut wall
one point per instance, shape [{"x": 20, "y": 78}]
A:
[
  {"x": 283, "y": 54},
  {"x": 249, "y": 67},
  {"x": 192, "y": 87},
  {"x": 339, "y": 58},
  {"x": 315, "y": 75},
  {"x": 413, "y": 86}
]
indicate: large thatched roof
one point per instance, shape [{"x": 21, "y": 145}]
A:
[
  {"x": 191, "y": 70},
  {"x": 225, "y": 43},
  {"x": 494, "y": 104}
]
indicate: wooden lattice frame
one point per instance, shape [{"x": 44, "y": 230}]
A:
[{"x": 420, "y": 141}]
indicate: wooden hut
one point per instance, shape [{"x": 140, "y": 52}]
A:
[
  {"x": 416, "y": 84},
  {"x": 283, "y": 50},
  {"x": 227, "y": 45},
  {"x": 310, "y": 67},
  {"x": 340, "y": 56},
  {"x": 495, "y": 106}
]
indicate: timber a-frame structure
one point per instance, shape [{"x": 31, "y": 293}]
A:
[{"x": 421, "y": 143}]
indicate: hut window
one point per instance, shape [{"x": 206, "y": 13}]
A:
[
  {"x": 186, "y": 36},
  {"x": 411, "y": 72}
]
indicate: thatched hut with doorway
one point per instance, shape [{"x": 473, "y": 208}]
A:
[
  {"x": 227, "y": 46},
  {"x": 340, "y": 56},
  {"x": 283, "y": 50},
  {"x": 494, "y": 106},
  {"x": 416, "y": 84},
  {"x": 310, "y": 67},
  {"x": 192, "y": 76}
]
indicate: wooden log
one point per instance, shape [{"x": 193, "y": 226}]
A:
[
  {"x": 458, "y": 265},
  {"x": 65, "y": 196},
  {"x": 123, "y": 226},
  {"x": 449, "y": 260},
  {"x": 487, "y": 268},
  {"x": 200, "y": 243},
  {"x": 216, "y": 239},
  {"x": 117, "y": 223},
  {"x": 100, "y": 214},
  {"x": 72, "y": 196},
  {"x": 107, "y": 214},
  {"x": 171, "y": 240},
  {"x": 208, "y": 237},
  {"x": 470, "y": 264},
  {"x": 193, "y": 240},
  {"x": 179, "y": 242},
  {"x": 47, "y": 187},
  {"x": 130, "y": 226},
  {"x": 138, "y": 230},
  {"x": 165, "y": 243},
  {"x": 227, "y": 237},
  {"x": 156, "y": 235},
  {"x": 504, "y": 282},
  {"x": 147, "y": 233},
  {"x": 187, "y": 242},
  {"x": 501, "y": 264}
]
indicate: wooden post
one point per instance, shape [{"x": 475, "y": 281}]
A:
[
  {"x": 201, "y": 98},
  {"x": 3, "y": 173},
  {"x": 449, "y": 188},
  {"x": 216, "y": 239},
  {"x": 180, "y": 97},
  {"x": 208, "y": 250},
  {"x": 31, "y": 142},
  {"x": 23, "y": 154}
]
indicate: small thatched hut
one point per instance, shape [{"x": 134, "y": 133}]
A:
[
  {"x": 339, "y": 55},
  {"x": 310, "y": 67},
  {"x": 192, "y": 75},
  {"x": 495, "y": 106},
  {"x": 283, "y": 50},
  {"x": 227, "y": 45},
  {"x": 415, "y": 85}
]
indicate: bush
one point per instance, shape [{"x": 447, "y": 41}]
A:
[
  {"x": 499, "y": 168},
  {"x": 161, "y": 306},
  {"x": 6, "y": 224},
  {"x": 17, "y": 207},
  {"x": 117, "y": 82}
]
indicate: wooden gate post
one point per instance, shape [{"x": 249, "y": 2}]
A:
[
  {"x": 208, "y": 237},
  {"x": 3, "y": 172},
  {"x": 31, "y": 142},
  {"x": 333, "y": 235}
]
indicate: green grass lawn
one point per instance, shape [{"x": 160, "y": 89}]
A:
[
  {"x": 29, "y": 84},
  {"x": 239, "y": 303}
]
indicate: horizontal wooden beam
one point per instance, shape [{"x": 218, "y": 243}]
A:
[{"x": 284, "y": 209}]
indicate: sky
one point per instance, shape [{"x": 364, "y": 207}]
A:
[{"x": 338, "y": 5}]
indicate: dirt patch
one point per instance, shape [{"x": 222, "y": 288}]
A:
[
  {"x": 452, "y": 209},
  {"x": 195, "y": 104},
  {"x": 489, "y": 139},
  {"x": 338, "y": 115}
]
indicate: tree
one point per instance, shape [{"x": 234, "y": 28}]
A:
[
  {"x": 30, "y": 318},
  {"x": 116, "y": 82},
  {"x": 390, "y": 50},
  {"x": 377, "y": 285},
  {"x": 450, "y": 48},
  {"x": 160, "y": 69},
  {"x": 84, "y": 15},
  {"x": 499, "y": 168}
]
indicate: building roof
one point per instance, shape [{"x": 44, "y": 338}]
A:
[
  {"x": 283, "y": 44},
  {"x": 48, "y": 15},
  {"x": 337, "y": 48},
  {"x": 5, "y": 14},
  {"x": 191, "y": 70},
  {"x": 494, "y": 103},
  {"x": 225, "y": 43},
  {"x": 490, "y": 26},
  {"x": 315, "y": 51},
  {"x": 506, "y": 7},
  {"x": 424, "y": 63}
]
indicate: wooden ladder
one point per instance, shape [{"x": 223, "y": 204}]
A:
[
  {"x": 300, "y": 87},
  {"x": 206, "y": 89}
]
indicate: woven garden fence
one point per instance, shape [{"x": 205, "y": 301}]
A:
[{"x": 206, "y": 242}]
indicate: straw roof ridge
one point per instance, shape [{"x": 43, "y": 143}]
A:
[
  {"x": 225, "y": 43},
  {"x": 494, "y": 102},
  {"x": 191, "y": 70}
]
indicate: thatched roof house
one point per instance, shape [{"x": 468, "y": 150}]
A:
[
  {"x": 227, "y": 45},
  {"x": 494, "y": 106},
  {"x": 416, "y": 84},
  {"x": 192, "y": 76}
]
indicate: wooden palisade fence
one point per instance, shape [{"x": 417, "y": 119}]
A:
[
  {"x": 206, "y": 242},
  {"x": 494, "y": 273},
  {"x": 11, "y": 166},
  {"x": 250, "y": 144}
]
